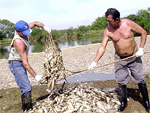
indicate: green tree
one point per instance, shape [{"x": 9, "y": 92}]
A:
[
  {"x": 38, "y": 34},
  {"x": 133, "y": 17},
  {"x": 99, "y": 24},
  {"x": 2, "y": 35},
  {"x": 7, "y": 28},
  {"x": 144, "y": 19},
  {"x": 57, "y": 34},
  {"x": 82, "y": 29},
  {"x": 70, "y": 31}
]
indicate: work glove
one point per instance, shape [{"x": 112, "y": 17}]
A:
[
  {"x": 47, "y": 29},
  {"x": 91, "y": 67},
  {"x": 38, "y": 78},
  {"x": 140, "y": 52}
]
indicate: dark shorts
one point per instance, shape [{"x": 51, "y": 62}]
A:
[{"x": 130, "y": 67}]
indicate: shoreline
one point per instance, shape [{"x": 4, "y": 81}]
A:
[{"x": 74, "y": 59}]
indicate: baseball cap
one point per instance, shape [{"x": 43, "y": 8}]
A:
[{"x": 23, "y": 27}]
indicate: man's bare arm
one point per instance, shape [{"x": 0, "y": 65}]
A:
[
  {"x": 39, "y": 24},
  {"x": 139, "y": 30},
  {"x": 36, "y": 24},
  {"x": 20, "y": 47},
  {"x": 102, "y": 47}
]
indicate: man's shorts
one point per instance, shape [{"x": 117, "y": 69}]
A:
[{"x": 130, "y": 67}]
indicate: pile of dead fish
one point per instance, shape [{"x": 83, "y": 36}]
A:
[
  {"x": 53, "y": 63},
  {"x": 80, "y": 99}
]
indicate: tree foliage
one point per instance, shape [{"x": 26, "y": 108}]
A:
[
  {"x": 133, "y": 17},
  {"x": 59, "y": 35},
  {"x": 7, "y": 29},
  {"x": 38, "y": 34},
  {"x": 142, "y": 18},
  {"x": 99, "y": 24},
  {"x": 2, "y": 35},
  {"x": 82, "y": 29}
]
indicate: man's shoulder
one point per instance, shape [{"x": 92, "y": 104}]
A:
[
  {"x": 127, "y": 21},
  {"x": 107, "y": 31},
  {"x": 18, "y": 41},
  {"x": 124, "y": 19}
]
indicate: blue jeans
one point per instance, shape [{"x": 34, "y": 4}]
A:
[{"x": 20, "y": 73}]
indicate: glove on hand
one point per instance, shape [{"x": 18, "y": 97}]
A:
[
  {"x": 140, "y": 52},
  {"x": 47, "y": 29},
  {"x": 91, "y": 67},
  {"x": 38, "y": 78}
]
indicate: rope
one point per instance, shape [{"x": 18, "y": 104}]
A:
[{"x": 106, "y": 64}]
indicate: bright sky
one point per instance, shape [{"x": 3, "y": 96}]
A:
[{"x": 63, "y": 14}]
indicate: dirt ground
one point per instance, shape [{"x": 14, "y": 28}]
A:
[
  {"x": 135, "y": 103},
  {"x": 75, "y": 59},
  {"x": 10, "y": 101}
]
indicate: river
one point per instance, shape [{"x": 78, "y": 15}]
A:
[{"x": 40, "y": 47}]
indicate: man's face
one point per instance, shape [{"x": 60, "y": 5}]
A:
[{"x": 111, "y": 21}]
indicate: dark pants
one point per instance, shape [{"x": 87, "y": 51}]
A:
[{"x": 132, "y": 66}]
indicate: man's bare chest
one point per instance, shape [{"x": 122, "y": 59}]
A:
[{"x": 121, "y": 35}]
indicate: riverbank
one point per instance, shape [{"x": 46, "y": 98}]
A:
[
  {"x": 75, "y": 59},
  {"x": 5, "y": 41}
]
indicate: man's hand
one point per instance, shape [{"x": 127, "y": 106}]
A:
[
  {"x": 38, "y": 78},
  {"x": 91, "y": 67},
  {"x": 47, "y": 29},
  {"x": 140, "y": 52}
]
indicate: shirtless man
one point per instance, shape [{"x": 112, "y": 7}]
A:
[{"x": 121, "y": 32}]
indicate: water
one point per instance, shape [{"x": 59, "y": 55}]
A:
[
  {"x": 90, "y": 77},
  {"x": 39, "y": 47},
  {"x": 85, "y": 77}
]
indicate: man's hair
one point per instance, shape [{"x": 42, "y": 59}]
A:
[{"x": 114, "y": 12}]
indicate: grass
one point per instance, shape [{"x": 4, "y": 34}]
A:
[
  {"x": 10, "y": 99},
  {"x": 96, "y": 41},
  {"x": 89, "y": 36},
  {"x": 7, "y": 40},
  {"x": 10, "y": 102}
]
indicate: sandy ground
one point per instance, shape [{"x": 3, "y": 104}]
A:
[
  {"x": 75, "y": 59},
  {"x": 79, "y": 58}
]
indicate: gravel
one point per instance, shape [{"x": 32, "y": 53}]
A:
[{"x": 75, "y": 59}]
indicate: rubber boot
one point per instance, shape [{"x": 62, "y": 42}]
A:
[
  {"x": 144, "y": 92},
  {"x": 123, "y": 95},
  {"x": 26, "y": 102}
]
